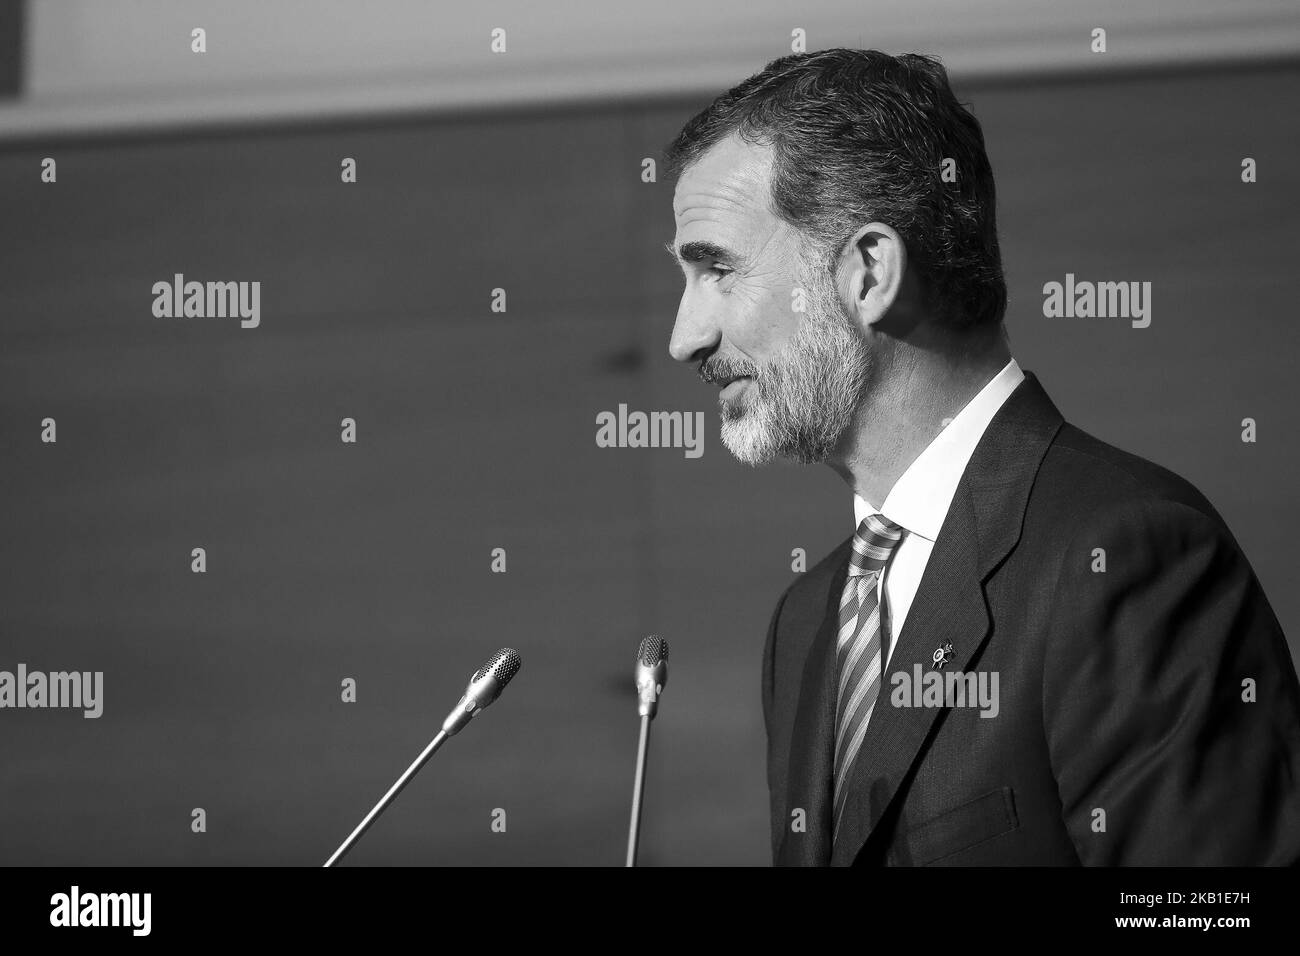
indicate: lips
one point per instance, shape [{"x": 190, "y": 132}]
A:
[{"x": 734, "y": 386}]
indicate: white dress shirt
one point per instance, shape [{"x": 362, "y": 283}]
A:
[{"x": 920, "y": 498}]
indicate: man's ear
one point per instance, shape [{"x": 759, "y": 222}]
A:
[{"x": 872, "y": 267}]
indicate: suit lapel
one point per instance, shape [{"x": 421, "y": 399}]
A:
[
  {"x": 982, "y": 525},
  {"x": 948, "y": 609},
  {"x": 811, "y": 760}
]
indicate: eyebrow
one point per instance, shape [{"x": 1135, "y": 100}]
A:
[{"x": 699, "y": 250}]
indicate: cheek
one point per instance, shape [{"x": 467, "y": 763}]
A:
[{"x": 761, "y": 328}]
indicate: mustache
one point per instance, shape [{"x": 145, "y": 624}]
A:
[{"x": 713, "y": 370}]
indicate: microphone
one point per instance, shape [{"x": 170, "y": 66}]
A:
[
  {"x": 651, "y": 676},
  {"x": 484, "y": 687}
]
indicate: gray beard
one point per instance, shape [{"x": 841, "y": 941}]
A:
[{"x": 801, "y": 403}]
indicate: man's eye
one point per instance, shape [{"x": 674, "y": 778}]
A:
[{"x": 719, "y": 271}]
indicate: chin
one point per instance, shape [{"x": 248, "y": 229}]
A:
[
  {"x": 752, "y": 440},
  {"x": 747, "y": 440}
]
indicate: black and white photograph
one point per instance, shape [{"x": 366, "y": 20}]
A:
[{"x": 571, "y": 435}]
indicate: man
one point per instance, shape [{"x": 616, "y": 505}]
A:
[{"x": 1035, "y": 648}]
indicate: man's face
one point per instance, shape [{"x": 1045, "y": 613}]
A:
[{"x": 791, "y": 381}]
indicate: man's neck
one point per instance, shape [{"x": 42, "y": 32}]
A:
[{"x": 906, "y": 411}]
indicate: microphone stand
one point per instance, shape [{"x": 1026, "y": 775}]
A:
[
  {"x": 638, "y": 787},
  {"x": 388, "y": 798}
]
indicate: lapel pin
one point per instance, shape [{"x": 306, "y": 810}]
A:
[{"x": 941, "y": 655}]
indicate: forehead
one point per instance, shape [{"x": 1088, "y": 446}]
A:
[{"x": 724, "y": 193}]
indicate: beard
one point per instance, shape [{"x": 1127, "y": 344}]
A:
[{"x": 800, "y": 403}]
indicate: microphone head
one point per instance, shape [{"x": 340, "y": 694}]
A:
[
  {"x": 484, "y": 687},
  {"x": 651, "y": 674},
  {"x": 653, "y": 649},
  {"x": 503, "y": 665}
]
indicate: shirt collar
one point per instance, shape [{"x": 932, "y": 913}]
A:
[{"x": 920, "y": 498}]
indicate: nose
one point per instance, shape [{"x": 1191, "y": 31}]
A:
[{"x": 694, "y": 335}]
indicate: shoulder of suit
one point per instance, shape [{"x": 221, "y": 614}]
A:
[{"x": 1082, "y": 475}]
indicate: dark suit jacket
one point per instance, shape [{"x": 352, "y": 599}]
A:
[{"x": 1121, "y": 737}]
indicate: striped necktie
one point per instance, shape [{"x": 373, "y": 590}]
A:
[{"x": 858, "y": 647}]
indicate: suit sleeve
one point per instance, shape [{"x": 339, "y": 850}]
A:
[
  {"x": 775, "y": 795},
  {"x": 1170, "y": 701},
  {"x": 769, "y": 662}
]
